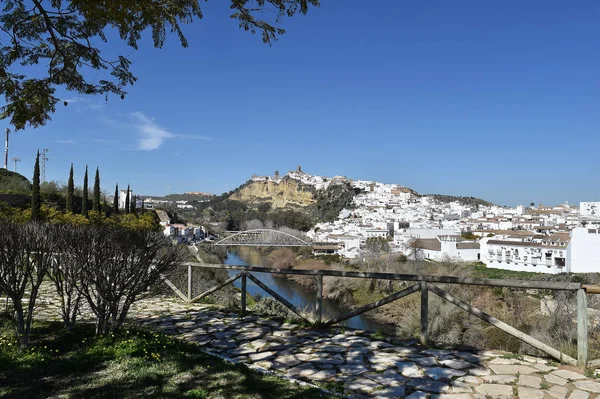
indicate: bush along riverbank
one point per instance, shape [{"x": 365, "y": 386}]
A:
[{"x": 548, "y": 316}]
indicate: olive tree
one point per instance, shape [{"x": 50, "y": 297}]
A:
[
  {"x": 119, "y": 267},
  {"x": 26, "y": 254}
]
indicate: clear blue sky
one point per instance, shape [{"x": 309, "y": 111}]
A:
[{"x": 499, "y": 100}]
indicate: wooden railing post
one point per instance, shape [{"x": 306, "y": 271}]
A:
[
  {"x": 582, "y": 328},
  {"x": 319, "y": 304},
  {"x": 189, "y": 285},
  {"x": 244, "y": 292},
  {"x": 424, "y": 313}
]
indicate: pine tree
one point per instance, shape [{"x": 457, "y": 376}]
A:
[
  {"x": 116, "y": 200},
  {"x": 127, "y": 200},
  {"x": 96, "y": 203},
  {"x": 70, "y": 191},
  {"x": 133, "y": 204},
  {"x": 84, "y": 208},
  {"x": 36, "y": 200}
]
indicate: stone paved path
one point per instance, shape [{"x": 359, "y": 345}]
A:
[
  {"x": 365, "y": 367},
  {"x": 370, "y": 368}
]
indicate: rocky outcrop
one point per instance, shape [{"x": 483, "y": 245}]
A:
[{"x": 284, "y": 193}]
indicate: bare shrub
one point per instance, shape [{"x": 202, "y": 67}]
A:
[
  {"x": 65, "y": 273},
  {"x": 309, "y": 282},
  {"x": 271, "y": 307},
  {"x": 339, "y": 289},
  {"x": 25, "y": 257},
  {"x": 282, "y": 258},
  {"x": 119, "y": 267}
]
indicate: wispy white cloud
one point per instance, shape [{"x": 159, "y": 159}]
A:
[
  {"x": 68, "y": 141},
  {"x": 193, "y": 137},
  {"x": 151, "y": 136}
]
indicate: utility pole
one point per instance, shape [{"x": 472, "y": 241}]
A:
[
  {"x": 44, "y": 158},
  {"x": 15, "y": 160},
  {"x": 6, "y": 150}
]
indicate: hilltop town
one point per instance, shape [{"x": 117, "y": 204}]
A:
[{"x": 536, "y": 238}]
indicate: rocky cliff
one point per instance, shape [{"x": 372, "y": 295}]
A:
[{"x": 284, "y": 193}]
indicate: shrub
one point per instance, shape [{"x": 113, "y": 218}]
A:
[{"x": 282, "y": 258}]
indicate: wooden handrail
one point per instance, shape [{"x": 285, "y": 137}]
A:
[
  {"x": 591, "y": 289},
  {"x": 523, "y": 284}
]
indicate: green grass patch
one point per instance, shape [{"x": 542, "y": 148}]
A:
[
  {"x": 135, "y": 363},
  {"x": 482, "y": 271}
]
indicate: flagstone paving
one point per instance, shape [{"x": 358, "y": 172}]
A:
[{"x": 364, "y": 367}]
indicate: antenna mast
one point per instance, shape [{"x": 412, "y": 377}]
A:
[
  {"x": 44, "y": 158},
  {"x": 6, "y": 149},
  {"x": 15, "y": 160}
]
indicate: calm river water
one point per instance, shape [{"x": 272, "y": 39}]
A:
[{"x": 293, "y": 292}]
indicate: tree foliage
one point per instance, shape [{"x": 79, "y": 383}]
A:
[
  {"x": 84, "y": 195},
  {"x": 36, "y": 200},
  {"x": 63, "y": 36},
  {"x": 116, "y": 200},
  {"x": 96, "y": 194},
  {"x": 70, "y": 191},
  {"x": 127, "y": 200},
  {"x": 14, "y": 183}
]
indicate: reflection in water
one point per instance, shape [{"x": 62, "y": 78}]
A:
[{"x": 293, "y": 292}]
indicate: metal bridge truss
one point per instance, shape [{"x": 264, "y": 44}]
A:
[{"x": 263, "y": 238}]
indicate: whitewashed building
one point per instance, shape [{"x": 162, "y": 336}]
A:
[
  {"x": 448, "y": 247},
  {"x": 589, "y": 210},
  {"x": 563, "y": 252}
]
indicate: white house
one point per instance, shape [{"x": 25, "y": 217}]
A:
[
  {"x": 123, "y": 196},
  {"x": 449, "y": 246},
  {"x": 563, "y": 252},
  {"x": 589, "y": 210},
  {"x": 583, "y": 253}
]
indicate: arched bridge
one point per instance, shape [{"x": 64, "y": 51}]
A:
[{"x": 263, "y": 238}]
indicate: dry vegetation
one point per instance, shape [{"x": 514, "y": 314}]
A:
[{"x": 448, "y": 324}]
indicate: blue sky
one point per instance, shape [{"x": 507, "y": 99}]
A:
[{"x": 498, "y": 100}]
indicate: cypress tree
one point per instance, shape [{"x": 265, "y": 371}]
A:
[
  {"x": 127, "y": 200},
  {"x": 84, "y": 209},
  {"x": 36, "y": 201},
  {"x": 70, "y": 191},
  {"x": 104, "y": 206},
  {"x": 96, "y": 203},
  {"x": 133, "y": 204},
  {"x": 143, "y": 208},
  {"x": 116, "y": 200}
]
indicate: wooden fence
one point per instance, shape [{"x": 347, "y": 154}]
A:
[{"x": 423, "y": 284}]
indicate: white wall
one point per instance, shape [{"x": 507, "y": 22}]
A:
[
  {"x": 583, "y": 253},
  {"x": 590, "y": 209}
]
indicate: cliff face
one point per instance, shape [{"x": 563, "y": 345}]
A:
[{"x": 285, "y": 193}]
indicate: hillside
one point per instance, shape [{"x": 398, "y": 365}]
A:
[
  {"x": 286, "y": 192},
  {"x": 12, "y": 182},
  {"x": 461, "y": 200}
]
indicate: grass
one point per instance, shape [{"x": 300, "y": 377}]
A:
[
  {"x": 481, "y": 271},
  {"x": 134, "y": 363}
]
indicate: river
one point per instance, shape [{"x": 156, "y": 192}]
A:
[{"x": 292, "y": 291}]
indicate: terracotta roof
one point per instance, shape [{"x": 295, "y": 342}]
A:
[
  {"x": 432, "y": 244},
  {"x": 514, "y": 243},
  {"x": 162, "y": 215},
  {"x": 467, "y": 245},
  {"x": 505, "y": 232},
  {"x": 560, "y": 236},
  {"x": 326, "y": 247}
]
